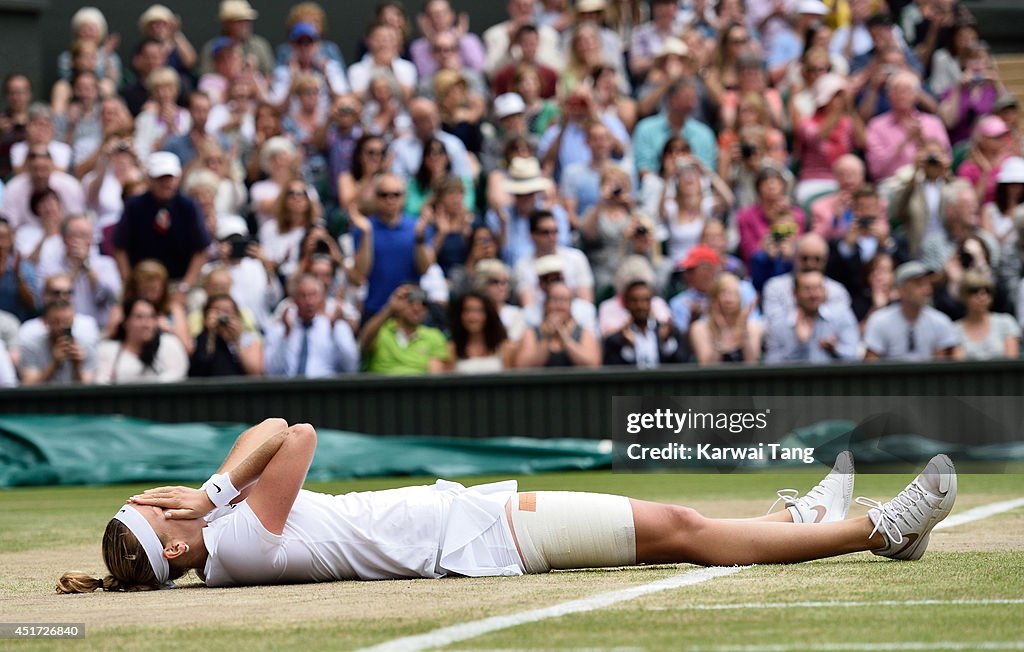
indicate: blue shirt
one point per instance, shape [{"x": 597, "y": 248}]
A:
[
  {"x": 573, "y": 148},
  {"x": 582, "y": 183},
  {"x": 518, "y": 243},
  {"x": 394, "y": 260},
  {"x": 782, "y": 344},
  {"x": 653, "y": 132}
]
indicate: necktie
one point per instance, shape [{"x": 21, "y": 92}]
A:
[{"x": 303, "y": 351}]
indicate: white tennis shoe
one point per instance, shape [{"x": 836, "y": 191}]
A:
[
  {"x": 828, "y": 501},
  {"x": 907, "y": 520}
]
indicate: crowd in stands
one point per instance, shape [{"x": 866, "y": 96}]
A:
[{"x": 587, "y": 183}]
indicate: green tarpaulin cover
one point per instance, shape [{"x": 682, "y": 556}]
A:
[{"x": 52, "y": 450}]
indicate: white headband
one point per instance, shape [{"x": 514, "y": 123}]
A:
[{"x": 144, "y": 532}]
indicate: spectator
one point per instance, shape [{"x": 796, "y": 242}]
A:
[
  {"x": 653, "y": 132},
  {"x": 990, "y": 146},
  {"x": 384, "y": 45},
  {"x": 811, "y": 255},
  {"x": 436, "y": 22},
  {"x": 684, "y": 213},
  {"x": 961, "y": 219},
  {"x": 614, "y": 313},
  {"x": 326, "y": 76},
  {"x": 313, "y": 14},
  {"x": 148, "y": 57},
  {"x": 911, "y": 330},
  {"x": 39, "y": 174},
  {"x": 867, "y": 235},
  {"x": 161, "y": 117},
  {"x": 33, "y": 238},
  {"x": 999, "y": 217},
  {"x": 917, "y": 209},
  {"x": 812, "y": 332},
  {"x": 581, "y": 182},
  {"x": 426, "y": 123},
  {"x": 149, "y": 281},
  {"x": 609, "y": 98},
  {"x": 254, "y": 282},
  {"x": 832, "y": 132},
  {"x": 558, "y": 341},
  {"x": 648, "y": 39},
  {"x": 338, "y": 137},
  {"x": 396, "y": 343},
  {"x": 512, "y": 132},
  {"x": 773, "y": 206},
  {"x": 306, "y": 342},
  {"x": 895, "y": 137},
  {"x": 55, "y": 355},
  {"x": 482, "y": 245},
  {"x": 162, "y": 25},
  {"x": 750, "y": 69},
  {"x": 461, "y": 110},
  {"x": 551, "y": 270},
  {"x": 295, "y": 213},
  {"x": 392, "y": 248},
  {"x": 947, "y": 64},
  {"x": 604, "y": 226},
  {"x": 81, "y": 124},
  {"x": 17, "y": 278},
  {"x": 832, "y": 212},
  {"x": 39, "y": 133},
  {"x": 95, "y": 279},
  {"x": 974, "y": 94},
  {"x": 541, "y": 112},
  {"x": 224, "y": 347},
  {"x": 14, "y": 119},
  {"x": 236, "y": 17},
  {"x": 564, "y": 144},
  {"x": 986, "y": 335},
  {"x": 644, "y": 342},
  {"x": 435, "y": 167},
  {"x": 164, "y": 225},
  {"x": 733, "y": 42},
  {"x": 139, "y": 351},
  {"x": 498, "y": 39},
  {"x": 452, "y": 223},
  {"x": 89, "y": 26},
  {"x": 279, "y": 160},
  {"x": 8, "y": 374},
  {"x": 879, "y": 288},
  {"x": 728, "y": 332},
  {"x": 357, "y": 185},
  {"x": 527, "y": 187},
  {"x": 700, "y": 268},
  {"x": 492, "y": 276},
  {"x": 575, "y": 267},
  {"x": 479, "y": 343},
  {"x": 586, "y": 52},
  {"x": 526, "y": 44}
]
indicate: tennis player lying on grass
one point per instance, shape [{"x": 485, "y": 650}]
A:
[{"x": 252, "y": 523}]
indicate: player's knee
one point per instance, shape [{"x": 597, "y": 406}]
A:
[
  {"x": 684, "y": 518},
  {"x": 274, "y": 424}
]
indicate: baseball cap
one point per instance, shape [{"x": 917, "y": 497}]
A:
[
  {"x": 508, "y": 104},
  {"x": 813, "y": 7},
  {"x": 163, "y": 164},
  {"x": 229, "y": 225},
  {"x": 304, "y": 30},
  {"x": 700, "y": 255},
  {"x": 992, "y": 126},
  {"x": 909, "y": 271}
]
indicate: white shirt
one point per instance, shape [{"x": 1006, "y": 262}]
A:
[
  {"x": 282, "y": 248},
  {"x": 362, "y": 72},
  {"x": 424, "y": 531},
  {"x": 86, "y": 299},
  {"x": 577, "y": 270},
  {"x": 8, "y": 377},
  {"x": 61, "y": 153},
  {"x": 115, "y": 365},
  {"x": 331, "y": 349},
  {"x": 19, "y": 191}
]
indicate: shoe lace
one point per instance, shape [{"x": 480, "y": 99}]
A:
[
  {"x": 785, "y": 496},
  {"x": 898, "y": 509}
]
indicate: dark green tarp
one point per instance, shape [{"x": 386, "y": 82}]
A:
[{"x": 52, "y": 450}]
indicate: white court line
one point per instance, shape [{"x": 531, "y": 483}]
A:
[
  {"x": 901, "y": 646},
  {"x": 455, "y": 633},
  {"x": 980, "y": 512},
  {"x": 817, "y": 605}
]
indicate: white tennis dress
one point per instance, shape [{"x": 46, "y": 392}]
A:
[{"x": 423, "y": 531}]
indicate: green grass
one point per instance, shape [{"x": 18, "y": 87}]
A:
[{"x": 981, "y": 560}]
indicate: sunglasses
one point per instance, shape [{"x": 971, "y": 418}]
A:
[
  {"x": 497, "y": 281},
  {"x": 812, "y": 259},
  {"x": 546, "y": 232},
  {"x": 296, "y": 193},
  {"x": 416, "y": 296},
  {"x": 59, "y": 293},
  {"x": 373, "y": 152},
  {"x": 383, "y": 194},
  {"x": 550, "y": 278},
  {"x": 979, "y": 290}
]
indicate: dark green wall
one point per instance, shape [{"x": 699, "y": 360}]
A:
[{"x": 537, "y": 404}]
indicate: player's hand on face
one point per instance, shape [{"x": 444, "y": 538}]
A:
[{"x": 179, "y": 503}]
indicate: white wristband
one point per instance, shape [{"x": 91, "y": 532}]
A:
[{"x": 220, "y": 490}]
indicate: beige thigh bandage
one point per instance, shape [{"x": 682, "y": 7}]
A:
[{"x": 567, "y": 529}]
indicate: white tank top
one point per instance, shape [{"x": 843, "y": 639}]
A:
[{"x": 397, "y": 533}]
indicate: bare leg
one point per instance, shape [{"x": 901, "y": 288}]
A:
[{"x": 672, "y": 533}]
